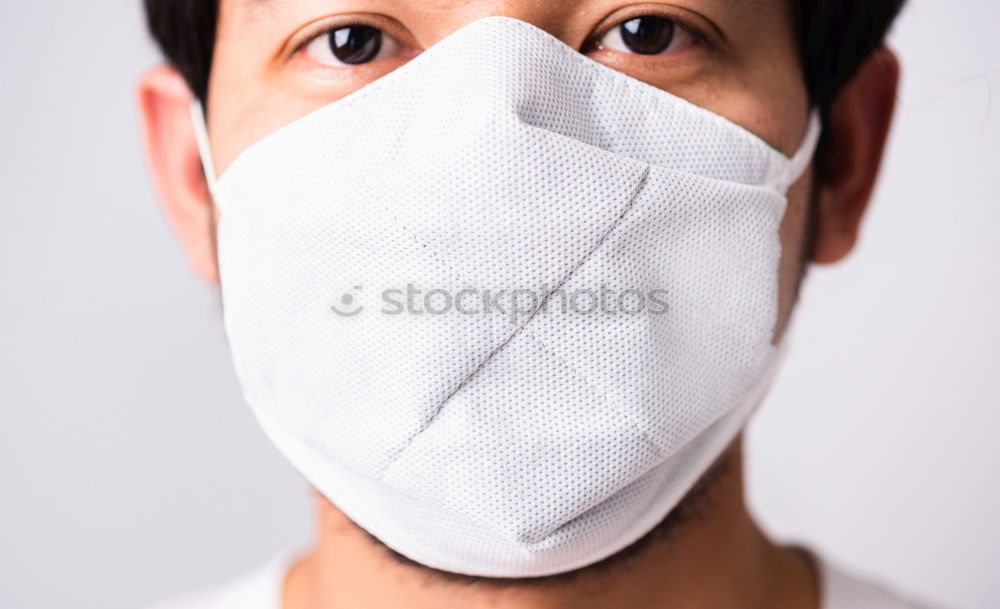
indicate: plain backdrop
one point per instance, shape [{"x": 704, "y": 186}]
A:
[{"x": 130, "y": 470}]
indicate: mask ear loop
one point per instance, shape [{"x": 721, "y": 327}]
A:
[
  {"x": 204, "y": 150},
  {"x": 793, "y": 171},
  {"x": 804, "y": 155}
]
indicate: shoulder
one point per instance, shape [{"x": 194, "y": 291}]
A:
[
  {"x": 258, "y": 589},
  {"x": 840, "y": 590}
]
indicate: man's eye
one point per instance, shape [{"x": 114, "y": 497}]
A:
[
  {"x": 351, "y": 45},
  {"x": 648, "y": 35}
]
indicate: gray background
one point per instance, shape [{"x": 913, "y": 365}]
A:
[{"x": 130, "y": 470}]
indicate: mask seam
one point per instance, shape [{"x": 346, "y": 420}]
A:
[
  {"x": 640, "y": 183},
  {"x": 772, "y": 186}
]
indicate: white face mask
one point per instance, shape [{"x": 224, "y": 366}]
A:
[{"x": 505, "y": 305}]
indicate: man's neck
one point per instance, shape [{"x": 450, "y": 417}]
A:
[{"x": 718, "y": 559}]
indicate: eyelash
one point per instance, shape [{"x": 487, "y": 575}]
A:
[
  {"x": 679, "y": 21},
  {"x": 329, "y": 28}
]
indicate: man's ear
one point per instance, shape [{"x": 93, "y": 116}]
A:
[
  {"x": 857, "y": 128},
  {"x": 172, "y": 153}
]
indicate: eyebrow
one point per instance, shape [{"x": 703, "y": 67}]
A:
[
  {"x": 255, "y": 7},
  {"x": 261, "y": 5}
]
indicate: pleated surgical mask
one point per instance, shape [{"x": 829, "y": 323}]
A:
[{"x": 505, "y": 305}]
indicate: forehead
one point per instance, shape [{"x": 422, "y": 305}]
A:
[{"x": 521, "y": 9}]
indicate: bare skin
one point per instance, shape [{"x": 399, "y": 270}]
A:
[
  {"x": 743, "y": 64},
  {"x": 718, "y": 559}
]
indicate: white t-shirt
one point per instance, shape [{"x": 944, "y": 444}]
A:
[{"x": 262, "y": 589}]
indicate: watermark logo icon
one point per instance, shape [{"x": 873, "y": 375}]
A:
[{"x": 346, "y": 305}]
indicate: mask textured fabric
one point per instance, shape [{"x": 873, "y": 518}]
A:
[{"x": 500, "y": 161}]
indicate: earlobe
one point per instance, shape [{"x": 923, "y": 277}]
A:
[
  {"x": 174, "y": 162},
  {"x": 857, "y": 129}
]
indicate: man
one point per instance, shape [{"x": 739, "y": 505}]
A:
[{"x": 496, "y": 451}]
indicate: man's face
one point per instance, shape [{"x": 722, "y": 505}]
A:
[{"x": 277, "y": 60}]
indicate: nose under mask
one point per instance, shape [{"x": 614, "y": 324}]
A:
[{"x": 505, "y": 305}]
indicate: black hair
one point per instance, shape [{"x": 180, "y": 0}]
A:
[
  {"x": 185, "y": 33},
  {"x": 835, "y": 38}
]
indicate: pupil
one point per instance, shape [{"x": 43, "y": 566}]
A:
[
  {"x": 647, "y": 35},
  {"x": 356, "y": 44}
]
